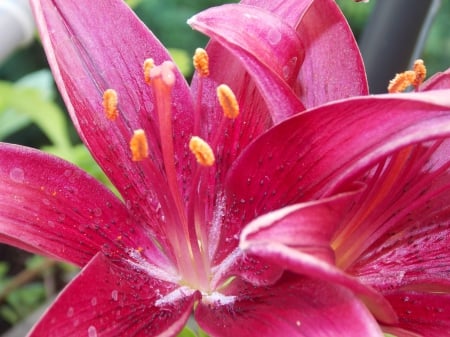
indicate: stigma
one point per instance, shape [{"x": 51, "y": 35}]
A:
[
  {"x": 408, "y": 78},
  {"x": 227, "y": 101},
  {"x": 139, "y": 145},
  {"x": 110, "y": 102},
  {"x": 202, "y": 151}
]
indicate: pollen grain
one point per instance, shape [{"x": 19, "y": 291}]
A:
[
  {"x": 139, "y": 145},
  {"x": 202, "y": 151},
  {"x": 110, "y": 102},
  {"x": 228, "y": 101}
]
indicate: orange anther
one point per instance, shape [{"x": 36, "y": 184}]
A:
[
  {"x": 139, "y": 145},
  {"x": 149, "y": 64},
  {"x": 402, "y": 81},
  {"x": 421, "y": 72},
  {"x": 110, "y": 101},
  {"x": 228, "y": 101},
  {"x": 201, "y": 62},
  {"x": 202, "y": 151}
]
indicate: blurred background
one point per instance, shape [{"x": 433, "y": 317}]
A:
[{"x": 32, "y": 114}]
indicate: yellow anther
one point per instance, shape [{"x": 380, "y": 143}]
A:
[
  {"x": 149, "y": 64},
  {"x": 421, "y": 72},
  {"x": 201, "y": 62},
  {"x": 139, "y": 145},
  {"x": 228, "y": 101},
  {"x": 402, "y": 81},
  {"x": 202, "y": 151},
  {"x": 110, "y": 101}
]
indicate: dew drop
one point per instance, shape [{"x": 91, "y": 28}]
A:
[
  {"x": 274, "y": 36},
  {"x": 70, "y": 312},
  {"x": 115, "y": 295},
  {"x": 97, "y": 212},
  {"x": 17, "y": 175},
  {"x": 94, "y": 301},
  {"x": 288, "y": 69},
  {"x": 92, "y": 331}
]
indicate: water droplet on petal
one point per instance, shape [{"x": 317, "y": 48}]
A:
[
  {"x": 288, "y": 69},
  {"x": 92, "y": 331},
  {"x": 94, "y": 301},
  {"x": 274, "y": 36},
  {"x": 115, "y": 295},
  {"x": 17, "y": 175},
  {"x": 70, "y": 312},
  {"x": 97, "y": 212}
]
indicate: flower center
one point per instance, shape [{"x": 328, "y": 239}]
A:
[{"x": 189, "y": 235}]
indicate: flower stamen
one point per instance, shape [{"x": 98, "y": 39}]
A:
[
  {"x": 228, "y": 101},
  {"x": 202, "y": 151},
  {"x": 139, "y": 145},
  {"x": 401, "y": 81},
  {"x": 421, "y": 72},
  {"x": 149, "y": 64},
  {"x": 110, "y": 101},
  {"x": 201, "y": 62},
  {"x": 408, "y": 78}
]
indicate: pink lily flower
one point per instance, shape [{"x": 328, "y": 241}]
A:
[{"x": 222, "y": 237}]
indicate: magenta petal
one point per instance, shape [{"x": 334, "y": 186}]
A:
[
  {"x": 294, "y": 307},
  {"x": 437, "y": 81},
  {"x": 314, "y": 153},
  {"x": 290, "y": 11},
  {"x": 51, "y": 207},
  {"x": 307, "y": 227},
  {"x": 425, "y": 314},
  {"x": 114, "y": 299},
  {"x": 330, "y": 71},
  {"x": 268, "y": 49},
  {"x": 96, "y": 45}
]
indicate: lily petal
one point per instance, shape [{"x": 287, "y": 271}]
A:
[
  {"x": 437, "y": 81},
  {"x": 329, "y": 72},
  {"x": 97, "y": 45},
  {"x": 269, "y": 50},
  {"x": 44, "y": 209},
  {"x": 406, "y": 245},
  {"x": 425, "y": 314},
  {"x": 307, "y": 227},
  {"x": 291, "y": 11},
  {"x": 112, "y": 299},
  {"x": 290, "y": 308},
  {"x": 363, "y": 130}
]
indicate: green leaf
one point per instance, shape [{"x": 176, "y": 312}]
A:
[
  {"x": 187, "y": 332},
  {"x": 10, "y": 121},
  {"x": 183, "y": 60}
]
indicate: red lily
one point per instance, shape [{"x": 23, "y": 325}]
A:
[{"x": 172, "y": 244}]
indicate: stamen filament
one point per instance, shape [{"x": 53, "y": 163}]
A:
[{"x": 190, "y": 262}]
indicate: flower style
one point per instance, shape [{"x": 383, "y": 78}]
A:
[{"x": 238, "y": 198}]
